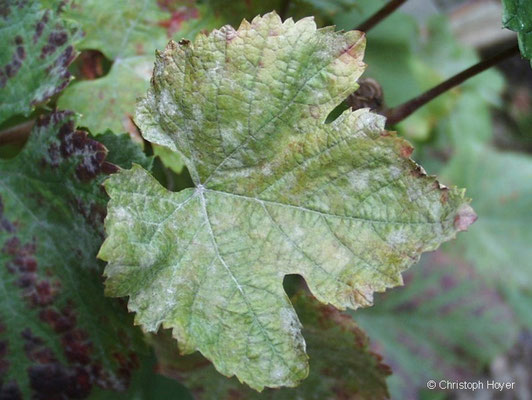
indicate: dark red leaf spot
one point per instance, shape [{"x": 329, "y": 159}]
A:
[{"x": 406, "y": 150}]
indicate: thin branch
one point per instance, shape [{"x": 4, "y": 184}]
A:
[
  {"x": 285, "y": 6},
  {"x": 399, "y": 113},
  {"x": 16, "y": 134},
  {"x": 380, "y": 15}
]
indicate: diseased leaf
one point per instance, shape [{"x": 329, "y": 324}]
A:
[
  {"x": 37, "y": 48},
  {"x": 341, "y": 364},
  {"x": 147, "y": 384},
  {"x": 277, "y": 191},
  {"x": 59, "y": 335},
  {"x": 123, "y": 152},
  {"x": 444, "y": 324},
  {"x": 501, "y": 186},
  {"x": 128, "y": 33},
  {"x": 518, "y": 17}
]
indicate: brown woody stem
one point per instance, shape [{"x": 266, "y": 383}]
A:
[
  {"x": 16, "y": 134},
  {"x": 400, "y": 112},
  {"x": 380, "y": 15}
]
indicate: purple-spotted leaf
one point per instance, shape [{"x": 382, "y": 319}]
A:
[
  {"x": 59, "y": 335},
  {"x": 37, "y": 48},
  {"x": 341, "y": 363},
  {"x": 277, "y": 191}
]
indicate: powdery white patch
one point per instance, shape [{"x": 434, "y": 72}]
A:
[
  {"x": 279, "y": 373},
  {"x": 197, "y": 113},
  {"x": 413, "y": 193},
  {"x": 397, "y": 237},
  {"x": 395, "y": 172},
  {"x": 266, "y": 169},
  {"x": 359, "y": 180},
  {"x": 167, "y": 104}
]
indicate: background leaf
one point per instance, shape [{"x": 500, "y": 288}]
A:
[
  {"x": 500, "y": 184},
  {"x": 37, "y": 48},
  {"x": 128, "y": 33},
  {"x": 518, "y": 17},
  {"x": 342, "y": 366},
  {"x": 59, "y": 335},
  {"x": 444, "y": 324}
]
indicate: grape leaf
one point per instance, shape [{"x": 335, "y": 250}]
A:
[
  {"x": 444, "y": 324},
  {"x": 37, "y": 48},
  {"x": 58, "y": 333},
  {"x": 501, "y": 186},
  {"x": 341, "y": 362},
  {"x": 277, "y": 191},
  {"x": 127, "y": 32},
  {"x": 517, "y": 17}
]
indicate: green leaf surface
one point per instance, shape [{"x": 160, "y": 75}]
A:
[
  {"x": 58, "y": 333},
  {"x": 341, "y": 363},
  {"x": 500, "y": 184},
  {"x": 444, "y": 324},
  {"x": 36, "y": 50},
  {"x": 517, "y": 16},
  {"x": 277, "y": 191},
  {"x": 127, "y": 32}
]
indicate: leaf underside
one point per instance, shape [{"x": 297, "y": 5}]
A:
[{"x": 277, "y": 191}]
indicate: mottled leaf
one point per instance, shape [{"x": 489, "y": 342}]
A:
[
  {"x": 127, "y": 32},
  {"x": 518, "y": 17},
  {"x": 37, "y": 48},
  {"x": 444, "y": 324},
  {"x": 59, "y": 335},
  {"x": 341, "y": 364},
  {"x": 277, "y": 191},
  {"x": 501, "y": 186}
]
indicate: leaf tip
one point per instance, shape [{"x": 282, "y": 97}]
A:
[{"x": 464, "y": 217}]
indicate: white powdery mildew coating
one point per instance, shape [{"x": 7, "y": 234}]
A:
[
  {"x": 397, "y": 237},
  {"x": 260, "y": 154},
  {"x": 167, "y": 104},
  {"x": 359, "y": 180}
]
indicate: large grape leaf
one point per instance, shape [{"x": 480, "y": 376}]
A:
[
  {"x": 37, "y": 48},
  {"x": 518, "y": 17},
  {"x": 127, "y": 32},
  {"x": 277, "y": 191},
  {"x": 341, "y": 363},
  {"x": 59, "y": 334},
  {"x": 501, "y": 186},
  {"x": 446, "y": 323}
]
